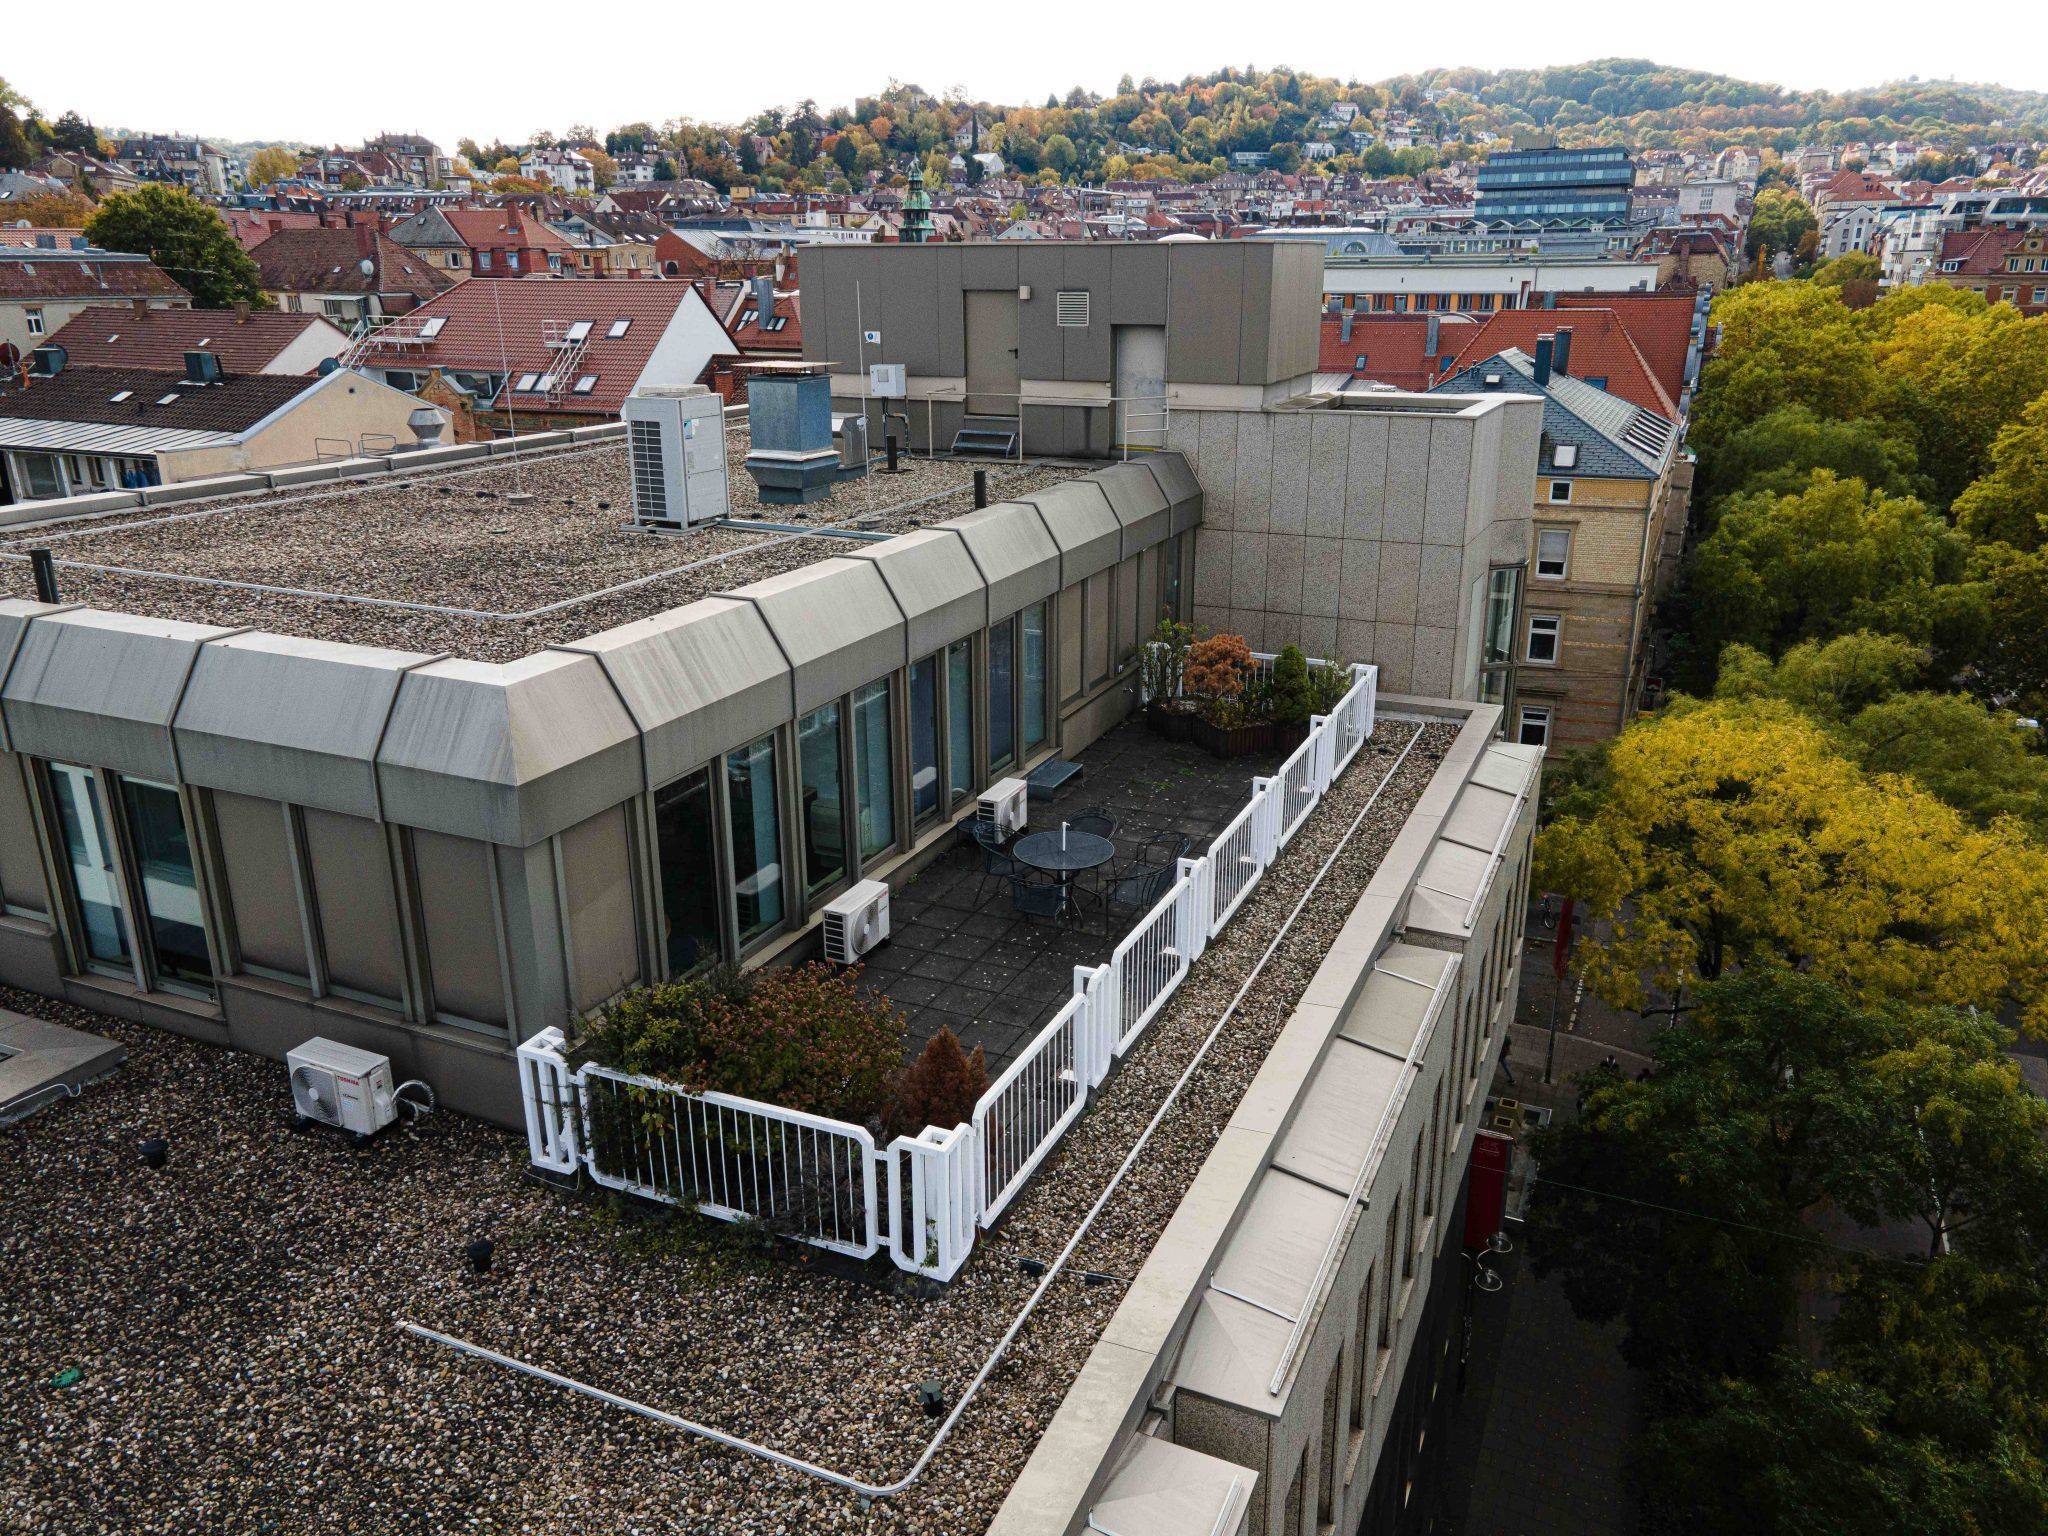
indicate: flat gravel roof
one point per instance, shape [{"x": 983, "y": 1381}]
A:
[{"x": 486, "y": 579}]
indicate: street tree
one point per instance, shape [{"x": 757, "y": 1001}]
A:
[{"x": 1736, "y": 833}]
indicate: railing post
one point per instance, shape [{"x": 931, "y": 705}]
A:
[
  {"x": 546, "y": 1090},
  {"x": 1191, "y": 923},
  {"x": 1266, "y": 819}
]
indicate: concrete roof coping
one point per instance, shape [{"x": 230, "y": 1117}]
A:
[
  {"x": 935, "y": 583},
  {"x": 1078, "y": 515},
  {"x": 1161, "y": 1489},
  {"x": 1017, "y": 556},
  {"x": 507, "y": 753},
  {"x": 698, "y": 681},
  {"x": 837, "y": 623},
  {"x": 1340, "y": 1110}
]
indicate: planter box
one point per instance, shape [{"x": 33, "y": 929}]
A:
[
  {"x": 1287, "y": 737},
  {"x": 1173, "y": 724},
  {"x": 1235, "y": 741}
]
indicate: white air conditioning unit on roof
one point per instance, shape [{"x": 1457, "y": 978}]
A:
[
  {"x": 675, "y": 445},
  {"x": 1004, "y": 805},
  {"x": 856, "y": 922},
  {"x": 338, "y": 1085}
]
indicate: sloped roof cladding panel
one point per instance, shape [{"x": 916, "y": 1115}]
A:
[
  {"x": 1086, "y": 530},
  {"x": 836, "y": 623},
  {"x": 1163, "y": 1489},
  {"x": 1341, "y": 1109},
  {"x": 934, "y": 581},
  {"x": 1016, "y": 556},
  {"x": 15, "y": 616},
  {"x": 699, "y": 681},
  {"x": 290, "y": 719},
  {"x": 100, "y": 688},
  {"x": 1178, "y": 484},
  {"x": 507, "y": 754},
  {"x": 1139, "y": 504},
  {"x": 1272, "y": 1257}
]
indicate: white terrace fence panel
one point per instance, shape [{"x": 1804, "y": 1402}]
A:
[{"x": 825, "y": 1182}]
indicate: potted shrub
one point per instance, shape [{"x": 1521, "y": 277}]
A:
[
  {"x": 1163, "y": 675},
  {"x": 1293, "y": 698},
  {"x": 1230, "y": 719}
]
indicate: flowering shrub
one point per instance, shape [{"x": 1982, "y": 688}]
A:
[{"x": 803, "y": 1038}]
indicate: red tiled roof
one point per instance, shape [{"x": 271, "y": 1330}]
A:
[
  {"x": 1981, "y": 252},
  {"x": 1659, "y": 323},
  {"x": 329, "y": 261},
  {"x": 1393, "y": 347},
  {"x": 254, "y": 226},
  {"x": 1856, "y": 187},
  {"x": 160, "y": 338},
  {"x": 469, "y": 337},
  {"x": 1601, "y": 349},
  {"x": 503, "y": 229},
  {"x": 84, "y": 275}
]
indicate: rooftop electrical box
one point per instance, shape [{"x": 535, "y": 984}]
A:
[{"x": 676, "y": 441}]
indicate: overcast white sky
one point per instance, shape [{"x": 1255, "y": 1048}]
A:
[{"x": 242, "y": 71}]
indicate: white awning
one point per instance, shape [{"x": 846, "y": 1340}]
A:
[{"x": 97, "y": 437}]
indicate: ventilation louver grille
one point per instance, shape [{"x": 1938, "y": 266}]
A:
[
  {"x": 1070, "y": 308},
  {"x": 650, "y": 486}
]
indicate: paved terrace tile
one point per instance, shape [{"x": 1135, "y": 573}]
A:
[{"x": 961, "y": 959}]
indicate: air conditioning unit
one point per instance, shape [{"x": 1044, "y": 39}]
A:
[
  {"x": 338, "y": 1085},
  {"x": 675, "y": 443},
  {"x": 856, "y": 922},
  {"x": 1003, "y": 806}
]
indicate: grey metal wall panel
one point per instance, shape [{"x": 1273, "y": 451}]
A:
[
  {"x": 934, "y": 582},
  {"x": 509, "y": 754},
  {"x": 15, "y": 614},
  {"x": 263, "y": 892},
  {"x": 1139, "y": 504},
  {"x": 1083, "y": 526},
  {"x": 1016, "y": 556},
  {"x": 350, "y": 865},
  {"x": 902, "y": 299},
  {"x": 951, "y": 316},
  {"x": 699, "y": 680},
  {"x": 1256, "y": 306},
  {"x": 1205, "y": 291},
  {"x": 1293, "y": 342},
  {"x": 837, "y": 625},
  {"x": 455, "y": 876},
  {"x": 289, "y": 718},
  {"x": 99, "y": 688},
  {"x": 989, "y": 266},
  {"x": 1087, "y": 347},
  {"x": 21, "y": 864},
  {"x": 597, "y": 869},
  {"x": 1041, "y": 345},
  {"x": 1178, "y": 484},
  {"x": 1137, "y": 294}
]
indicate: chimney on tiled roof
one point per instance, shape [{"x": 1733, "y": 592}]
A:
[
  {"x": 1431, "y": 335},
  {"x": 1545, "y": 345},
  {"x": 1561, "y": 356}
]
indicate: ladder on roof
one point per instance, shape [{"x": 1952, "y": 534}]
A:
[{"x": 562, "y": 339}]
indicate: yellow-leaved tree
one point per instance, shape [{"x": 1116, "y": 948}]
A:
[{"x": 1735, "y": 833}]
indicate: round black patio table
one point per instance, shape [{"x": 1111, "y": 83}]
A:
[{"x": 1064, "y": 855}]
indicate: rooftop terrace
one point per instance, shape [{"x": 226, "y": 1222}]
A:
[
  {"x": 441, "y": 562},
  {"x": 241, "y": 1367}
]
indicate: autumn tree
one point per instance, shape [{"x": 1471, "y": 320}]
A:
[
  {"x": 184, "y": 237},
  {"x": 52, "y": 210},
  {"x": 271, "y": 164},
  {"x": 1955, "y": 375},
  {"x": 2009, "y": 503},
  {"x": 1782, "y": 344},
  {"x": 1736, "y": 833},
  {"x": 1832, "y": 557}
]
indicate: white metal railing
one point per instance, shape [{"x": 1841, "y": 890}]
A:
[
  {"x": 1029, "y": 1107},
  {"x": 925, "y": 1197}
]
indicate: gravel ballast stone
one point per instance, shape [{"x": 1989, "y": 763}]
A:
[
  {"x": 450, "y": 540},
  {"x": 234, "y": 1313}
]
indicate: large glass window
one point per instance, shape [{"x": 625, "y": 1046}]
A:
[
  {"x": 756, "y": 836},
  {"x": 687, "y": 849},
  {"x": 960, "y": 718},
  {"x": 170, "y": 888},
  {"x": 1497, "y": 650},
  {"x": 1034, "y": 678},
  {"x": 873, "y": 768},
  {"x": 1002, "y": 695},
  {"x": 95, "y": 884},
  {"x": 824, "y": 814},
  {"x": 924, "y": 737}
]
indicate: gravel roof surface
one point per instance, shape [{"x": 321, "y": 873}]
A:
[
  {"x": 449, "y": 540},
  {"x": 232, "y": 1312}
]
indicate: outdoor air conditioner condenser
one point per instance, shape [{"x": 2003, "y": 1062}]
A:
[{"x": 856, "y": 922}]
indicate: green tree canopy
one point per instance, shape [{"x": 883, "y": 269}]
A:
[
  {"x": 1778, "y": 450},
  {"x": 2009, "y": 503},
  {"x": 184, "y": 237},
  {"x": 1782, "y": 344}
]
